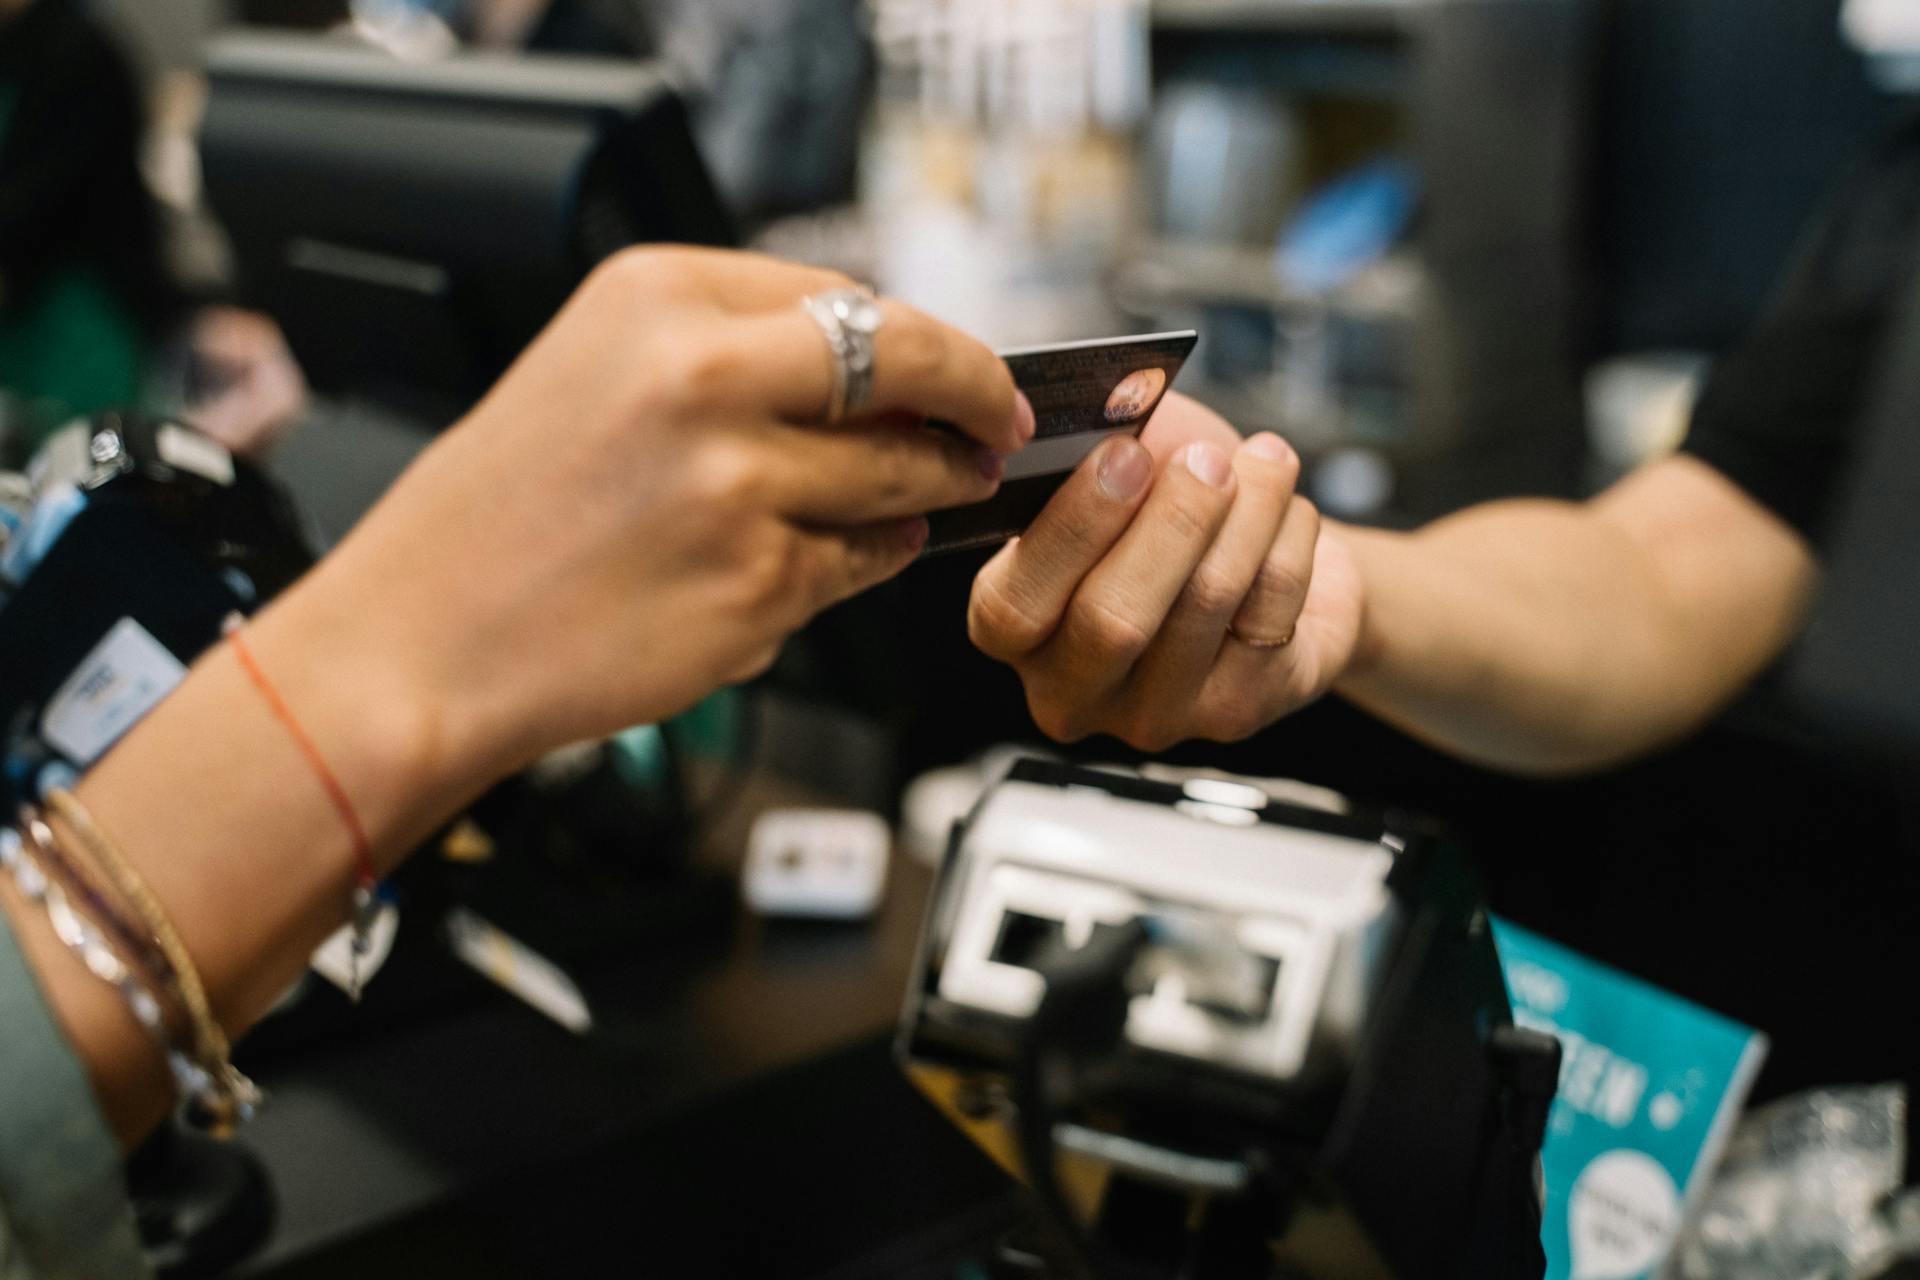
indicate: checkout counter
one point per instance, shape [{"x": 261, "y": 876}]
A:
[
  {"x": 738, "y": 1107},
  {"x": 735, "y": 1111}
]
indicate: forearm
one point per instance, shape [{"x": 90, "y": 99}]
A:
[
  {"x": 1477, "y": 639},
  {"x": 1548, "y": 637},
  {"x": 599, "y": 544},
  {"x": 212, "y": 802}
]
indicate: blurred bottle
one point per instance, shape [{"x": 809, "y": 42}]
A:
[{"x": 998, "y": 173}]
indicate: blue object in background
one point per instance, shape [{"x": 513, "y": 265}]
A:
[
  {"x": 28, "y": 546},
  {"x": 1650, "y": 1087},
  {"x": 1346, "y": 226}
]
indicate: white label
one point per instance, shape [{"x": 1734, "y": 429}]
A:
[
  {"x": 1624, "y": 1212},
  {"x": 190, "y": 451},
  {"x": 122, "y": 679}
]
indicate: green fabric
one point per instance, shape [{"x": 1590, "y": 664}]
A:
[
  {"x": 71, "y": 350},
  {"x": 64, "y": 1213}
]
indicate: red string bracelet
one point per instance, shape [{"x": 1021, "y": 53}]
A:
[{"x": 365, "y": 879}]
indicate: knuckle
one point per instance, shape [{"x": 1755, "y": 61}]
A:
[
  {"x": 1149, "y": 733},
  {"x": 640, "y": 269},
  {"x": 705, "y": 371},
  {"x": 1210, "y": 592},
  {"x": 1302, "y": 684},
  {"x": 1108, "y": 632},
  {"x": 1233, "y": 719},
  {"x": 790, "y": 577},
  {"x": 895, "y": 468},
  {"x": 766, "y": 579},
  {"x": 1076, "y": 541},
  {"x": 1281, "y": 578},
  {"x": 726, "y": 477},
  {"x": 998, "y": 624},
  {"x": 1189, "y": 519},
  {"x": 1056, "y": 719}
]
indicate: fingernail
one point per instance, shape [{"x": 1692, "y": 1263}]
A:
[
  {"x": 1125, "y": 468},
  {"x": 1208, "y": 464},
  {"x": 992, "y": 465},
  {"x": 913, "y": 533},
  {"x": 1269, "y": 446},
  {"x": 1023, "y": 419}
]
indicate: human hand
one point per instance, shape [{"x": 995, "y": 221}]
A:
[
  {"x": 1176, "y": 587},
  {"x": 259, "y": 389},
  {"x": 646, "y": 506}
]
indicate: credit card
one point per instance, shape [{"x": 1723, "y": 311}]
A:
[{"x": 1082, "y": 392}]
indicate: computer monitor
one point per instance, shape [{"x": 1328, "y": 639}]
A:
[{"x": 413, "y": 224}]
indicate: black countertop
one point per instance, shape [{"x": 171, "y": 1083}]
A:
[{"x": 734, "y": 1110}]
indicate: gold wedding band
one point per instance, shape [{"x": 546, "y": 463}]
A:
[{"x": 1255, "y": 642}]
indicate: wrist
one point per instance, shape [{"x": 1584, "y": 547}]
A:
[
  {"x": 362, "y": 688},
  {"x": 1365, "y": 547},
  {"x": 228, "y": 818}
]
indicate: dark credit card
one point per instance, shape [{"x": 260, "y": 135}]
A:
[{"x": 1082, "y": 392}]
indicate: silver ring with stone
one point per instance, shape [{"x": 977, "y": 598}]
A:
[{"x": 849, "y": 319}]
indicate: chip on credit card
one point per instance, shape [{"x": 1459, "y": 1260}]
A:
[{"x": 1082, "y": 392}]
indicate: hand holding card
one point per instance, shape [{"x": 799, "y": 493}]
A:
[{"x": 1082, "y": 392}]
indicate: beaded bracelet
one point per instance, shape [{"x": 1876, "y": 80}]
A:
[
  {"x": 210, "y": 1042},
  {"x": 92, "y": 950},
  {"x": 80, "y": 880},
  {"x": 228, "y": 1097}
]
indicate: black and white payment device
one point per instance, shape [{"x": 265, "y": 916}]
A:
[{"x": 1224, "y": 1034}]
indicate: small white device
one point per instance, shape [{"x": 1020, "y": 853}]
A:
[{"x": 819, "y": 863}]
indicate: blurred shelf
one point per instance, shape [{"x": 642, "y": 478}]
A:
[
  {"x": 1167, "y": 271},
  {"x": 1374, "y": 18},
  {"x": 1163, "y": 272}
]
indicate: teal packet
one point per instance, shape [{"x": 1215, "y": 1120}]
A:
[{"x": 1650, "y": 1088}]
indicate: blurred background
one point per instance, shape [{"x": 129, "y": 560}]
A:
[{"x": 1452, "y": 249}]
